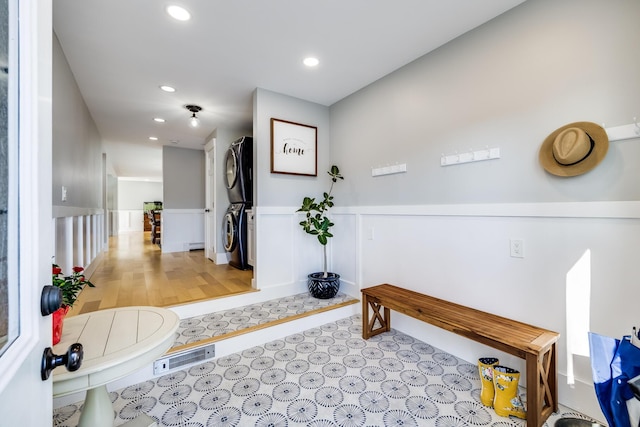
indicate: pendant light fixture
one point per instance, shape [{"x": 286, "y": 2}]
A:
[{"x": 194, "y": 121}]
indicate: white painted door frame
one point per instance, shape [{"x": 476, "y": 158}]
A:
[
  {"x": 24, "y": 398},
  {"x": 210, "y": 197}
]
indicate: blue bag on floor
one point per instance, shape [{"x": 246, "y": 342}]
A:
[{"x": 613, "y": 363}]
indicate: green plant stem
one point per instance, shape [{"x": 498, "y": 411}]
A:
[{"x": 316, "y": 222}]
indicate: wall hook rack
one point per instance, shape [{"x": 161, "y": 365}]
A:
[
  {"x": 470, "y": 156},
  {"x": 620, "y": 133},
  {"x": 389, "y": 169}
]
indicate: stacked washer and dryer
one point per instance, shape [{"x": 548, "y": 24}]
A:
[{"x": 239, "y": 180}]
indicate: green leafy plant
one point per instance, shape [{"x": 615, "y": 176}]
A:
[
  {"x": 316, "y": 221},
  {"x": 70, "y": 285}
]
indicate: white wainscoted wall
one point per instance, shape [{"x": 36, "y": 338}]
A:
[
  {"x": 78, "y": 174},
  {"x": 183, "y": 172},
  {"x": 131, "y": 195},
  {"x": 79, "y": 238},
  {"x": 578, "y": 273},
  {"x": 285, "y": 254},
  {"x": 182, "y": 230},
  {"x": 130, "y": 220}
]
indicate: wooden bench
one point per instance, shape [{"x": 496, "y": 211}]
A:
[{"x": 536, "y": 345}]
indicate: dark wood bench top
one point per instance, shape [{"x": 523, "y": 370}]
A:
[{"x": 511, "y": 336}]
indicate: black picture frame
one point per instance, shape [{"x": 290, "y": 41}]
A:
[{"x": 294, "y": 148}]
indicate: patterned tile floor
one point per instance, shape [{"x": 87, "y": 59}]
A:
[
  {"x": 200, "y": 328},
  {"x": 325, "y": 376}
]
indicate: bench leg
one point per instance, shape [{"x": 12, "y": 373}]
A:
[
  {"x": 542, "y": 386},
  {"x": 368, "y": 324}
]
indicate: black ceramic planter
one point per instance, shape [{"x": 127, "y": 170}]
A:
[{"x": 321, "y": 287}]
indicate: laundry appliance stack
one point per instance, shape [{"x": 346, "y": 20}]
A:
[{"x": 239, "y": 180}]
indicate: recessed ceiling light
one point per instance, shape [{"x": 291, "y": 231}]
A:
[
  {"x": 153, "y": 138},
  {"x": 311, "y": 61},
  {"x": 159, "y": 119},
  {"x": 167, "y": 88},
  {"x": 179, "y": 13}
]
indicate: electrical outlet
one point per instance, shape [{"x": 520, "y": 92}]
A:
[
  {"x": 516, "y": 248},
  {"x": 64, "y": 193}
]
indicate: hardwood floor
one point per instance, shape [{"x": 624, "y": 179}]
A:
[{"x": 136, "y": 272}]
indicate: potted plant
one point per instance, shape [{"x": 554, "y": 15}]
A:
[
  {"x": 322, "y": 284},
  {"x": 70, "y": 287}
]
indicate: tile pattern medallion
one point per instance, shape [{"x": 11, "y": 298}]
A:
[
  {"x": 325, "y": 376},
  {"x": 200, "y": 328}
]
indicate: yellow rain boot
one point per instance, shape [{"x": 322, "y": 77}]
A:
[
  {"x": 485, "y": 367},
  {"x": 506, "y": 401}
]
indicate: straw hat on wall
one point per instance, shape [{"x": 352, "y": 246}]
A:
[{"x": 574, "y": 149}]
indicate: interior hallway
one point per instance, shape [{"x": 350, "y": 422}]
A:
[{"x": 134, "y": 271}]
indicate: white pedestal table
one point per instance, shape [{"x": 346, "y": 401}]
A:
[{"x": 117, "y": 342}]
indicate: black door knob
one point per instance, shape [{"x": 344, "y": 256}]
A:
[
  {"x": 72, "y": 360},
  {"x": 50, "y": 300}
]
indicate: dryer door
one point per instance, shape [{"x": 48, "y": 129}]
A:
[
  {"x": 230, "y": 232},
  {"x": 232, "y": 168}
]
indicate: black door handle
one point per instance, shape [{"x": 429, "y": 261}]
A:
[
  {"x": 72, "y": 360},
  {"x": 50, "y": 300}
]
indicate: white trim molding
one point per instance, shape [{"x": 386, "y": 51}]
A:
[
  {"x": 64, "y": 211},
  {"x": 603, "y": 209}
]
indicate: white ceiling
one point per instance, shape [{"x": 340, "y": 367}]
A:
[{"x": 121, "y": 51}]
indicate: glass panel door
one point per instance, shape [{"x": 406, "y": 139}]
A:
[{"x": 9, "y": 317}]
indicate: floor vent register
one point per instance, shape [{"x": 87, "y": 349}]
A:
[{"x": 186, "y": 357}]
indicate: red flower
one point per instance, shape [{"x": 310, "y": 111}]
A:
[{"x": 70, "y": 285}]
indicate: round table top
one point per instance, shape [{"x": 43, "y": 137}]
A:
[{"x": 116, "y": 343}]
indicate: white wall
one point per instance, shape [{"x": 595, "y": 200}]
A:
[
  {"x": 112, "y": 205},
  {"x": 131, "y": 195},
  {"x": 77, "y": 145},
  {"x": 183, "y": 173},
  {"x": 445, "y": 231},
  {"x": 78, "y": 223},
  {"x": 278, "y": 247},
  {"x": 461, "y": 253},
  {"x": 183, "y": 178},
  {"x": 507, "y": 84},
  {"x": 78, "y": 239},
  {"x": 182, "y": 230},
  {"x": 274, "y": 189}
]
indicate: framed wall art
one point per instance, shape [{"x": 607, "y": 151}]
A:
[{"x": 294, "y": 148}]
